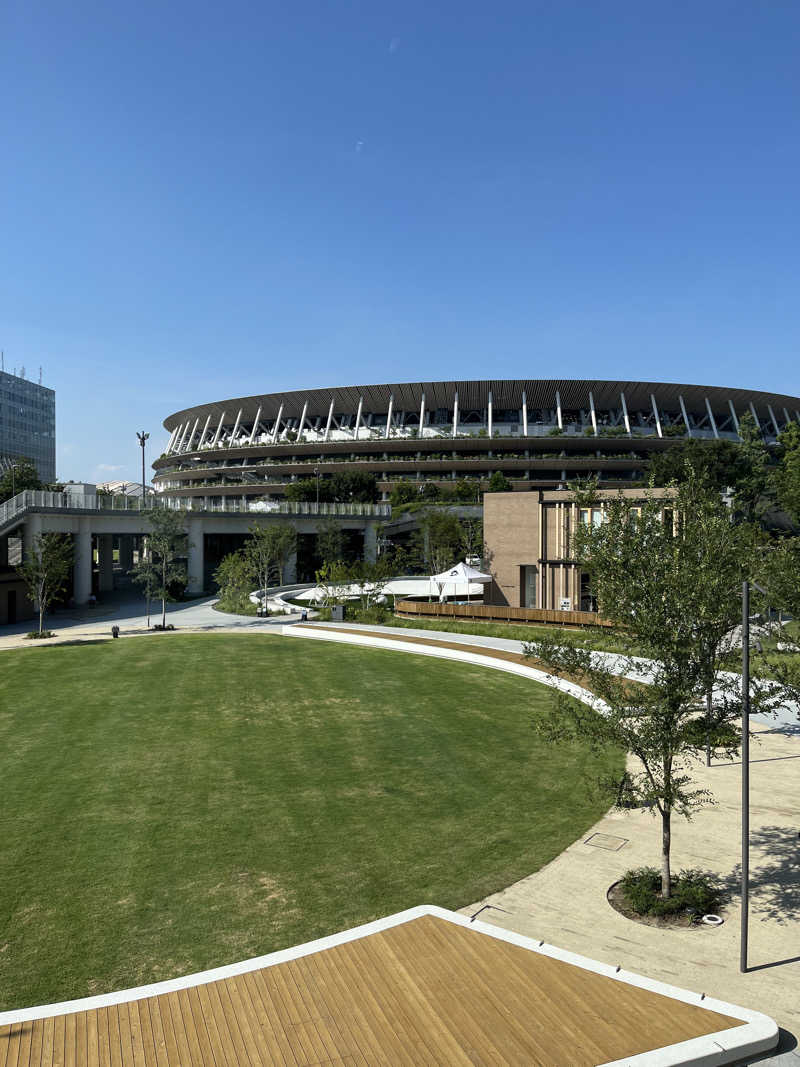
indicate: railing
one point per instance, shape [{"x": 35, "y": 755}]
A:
[
  {"x": 40, "y": 500},
  {"x": 500, "y": 613}
]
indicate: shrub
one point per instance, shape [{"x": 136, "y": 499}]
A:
[
  {"x": 693, "y": 892},
  {"x": 38, "y": 635},
  {"x": 168, "y": 626}
]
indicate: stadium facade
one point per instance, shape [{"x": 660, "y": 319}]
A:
[{"x": 539, "y": 433}]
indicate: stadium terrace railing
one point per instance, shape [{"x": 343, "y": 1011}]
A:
[{"x": 41, "y": 500}]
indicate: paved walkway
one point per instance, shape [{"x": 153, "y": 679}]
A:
[{"x": 126, "y": 610}]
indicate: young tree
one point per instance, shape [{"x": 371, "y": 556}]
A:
[
  {"x": 668, "y": 572},
  {"x": 268, "y": 549},
  {"x": 403, "y": 493},
  {"x": 235, "y": 577},
  {"x": 46, "y": 572},
  {"x": 440, "y": 539},
  {"x": 750, "y": 496},
  {"x": 498, "y": 483},
  {"x": 330, "y": 542},
  {"x": 145, "y": 574},
  {"x": 358, "y": 486},
  {"x": 167, "y": 545}
]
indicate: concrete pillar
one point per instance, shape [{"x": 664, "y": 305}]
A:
[
  {"x": 196, "y": 557},
  {"x": 370, "y": 542},
  {"x": 125, "y": 552},
  {"x": 105, "y": 562},
  {"x": 83, "y": 562},
  {"x": 31, "y": 530},
  {"x": 3, "y": 552}
]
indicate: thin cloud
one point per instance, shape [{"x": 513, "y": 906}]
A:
[
  {"x": 394, "y": 44},
  {"x": 359, "y": 147}
]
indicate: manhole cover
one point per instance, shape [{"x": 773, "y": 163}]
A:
[{"x": 607, "y": 841}]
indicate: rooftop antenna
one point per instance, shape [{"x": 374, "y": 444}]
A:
[
  {"x": 40, "y": 375},
  {"x": 2, "y": 360},
  {"x": 22, "y": 371}
]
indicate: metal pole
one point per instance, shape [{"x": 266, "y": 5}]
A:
[
  {"x": 745, "y": 773},
  {"x": 142, "y": 438}
]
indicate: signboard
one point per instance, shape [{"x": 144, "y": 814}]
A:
[{"x": 565, "y": 604}]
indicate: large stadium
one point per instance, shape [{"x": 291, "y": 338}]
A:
[{"x": 538, "y": 433}]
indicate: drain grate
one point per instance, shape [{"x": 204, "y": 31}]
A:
[{"x": 606, "y": 841}]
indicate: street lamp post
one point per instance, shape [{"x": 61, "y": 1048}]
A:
[
  {"x": 745, "y": 774},
  {"x": 142, "y": 439}
]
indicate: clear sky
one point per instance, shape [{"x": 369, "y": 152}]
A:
[{"x": 204, "y": 200}]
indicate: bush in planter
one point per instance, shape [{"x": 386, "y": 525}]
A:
[
  {"x": 169, "y": 626},
  {"x": 38, "y": 635},
  {"x": 693, "y": 892}
]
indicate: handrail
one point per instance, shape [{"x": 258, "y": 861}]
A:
[{"x": 40, "y": 500}]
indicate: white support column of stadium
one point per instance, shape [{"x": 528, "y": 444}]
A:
[
  {"x": 219, "y": 429},
  {"x": 455, "y": 413},
  {"x": 389, "y": 417},
  {"x": 754, "y": 414},
  {"x": 205, "y": 431},
  {"x": 174, "y": 433},
  {"x": 489, "y": 415},
  {"x": 685, "y": 416},
  {"x": 711, "y": 418},
  {"x": 733, "y": 414},
  {"x": 358, "y": 418},
  {"x": 558, "y": 411},
  {"x": 252, "y": 436},
  {"x": 235, "y": 428},
  {"x": 191, "y": 435},
  {"x": 655, "y": 412},
  {"x": 524, "y": 414},
  {"x": 593, "y": 412},
  {"x": 625, "y": 413},
  {"x": 772, "y": 416},
  {"x": 330, "y": 420},
  {"x": 787, "y": 416},
  {"x": 277, "y": 427},
  {"x": 302, "y": 421},
  {"x": 421, "y": 415},
  {"x": 183, "y": 437}
]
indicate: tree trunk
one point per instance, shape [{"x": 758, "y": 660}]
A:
[
  {"x": 709, "y": 702},
  {"x": 41, "y": 614},
  {"x": 666, "y": 877}
]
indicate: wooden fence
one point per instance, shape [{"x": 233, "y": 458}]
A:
[{"x": 499, "y": 613}]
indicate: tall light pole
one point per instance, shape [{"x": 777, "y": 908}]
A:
[
  {"x": 745, "y": 773},
  {"x": 142, "y": 439}
]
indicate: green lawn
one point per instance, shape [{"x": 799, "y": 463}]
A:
[{"x": 176, "y": 802}]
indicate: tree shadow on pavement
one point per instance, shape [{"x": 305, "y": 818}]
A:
[{"x": 774, "y": 876}]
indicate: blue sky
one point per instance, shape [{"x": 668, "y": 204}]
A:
[{"x": 208, "y": 200}]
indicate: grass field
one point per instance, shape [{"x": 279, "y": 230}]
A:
[
  {"x": 177, "y": 802},
  {"x": 604, "y": 640}
]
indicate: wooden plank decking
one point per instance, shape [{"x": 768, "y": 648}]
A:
[{"x": 426, "y": 991}]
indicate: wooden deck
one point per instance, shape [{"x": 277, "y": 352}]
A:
[{"x": 426, "y": 991}]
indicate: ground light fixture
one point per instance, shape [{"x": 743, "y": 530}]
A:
[{"x": 142, "y": 440}]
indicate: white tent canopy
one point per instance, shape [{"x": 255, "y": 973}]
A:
[{"x": 461, "y": 575}]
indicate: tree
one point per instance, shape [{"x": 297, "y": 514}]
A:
[
  {"x": 440, "y": 539},
  {"x": 779, "y": 577},
  {"x": 403, "y": 493},
  {"x": 719, "y": 463},
  {"x": 330, "y": 542},
  {"x": 166, "y": 544},
  {"x": 668, "y": 572},
  {"x": 267, "y": 551},
  {"x": 354, "y": 487},
  {"x": 145, "y": 574},
  {"x": 46, "y": 572},
  {"x": 471, "y": 537},
  {"x": 786, "y": 476},
  {"x": 304, "y": 491},
  {"x": 18, "y": 475},
  {"x": 750, "y": 496},
  {"x": 235, "y": 577},
  {"x": 466, "y": 491},
  {"x": 498, "y": 483}
]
